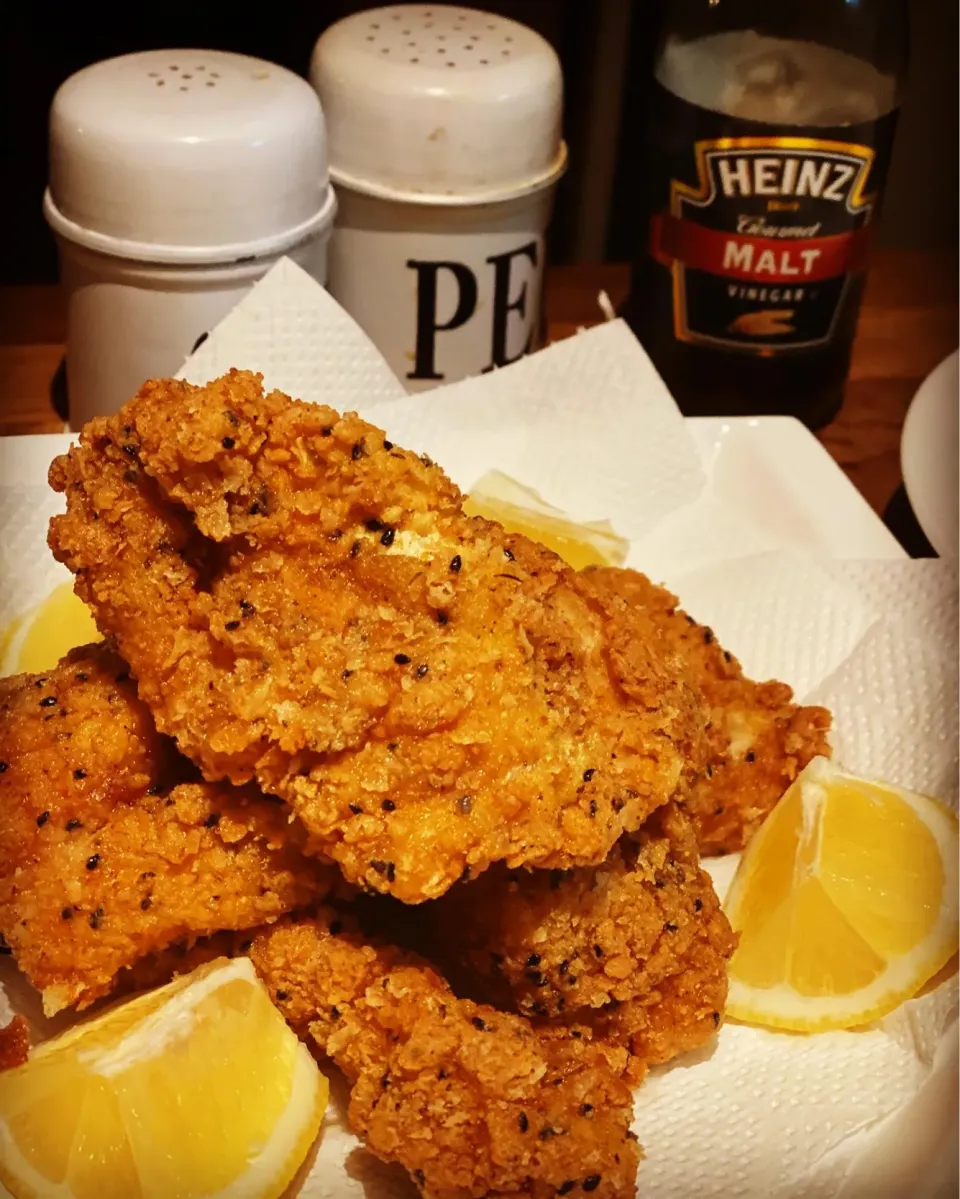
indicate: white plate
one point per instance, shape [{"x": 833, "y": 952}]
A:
[{"x": 928, "y": 456}]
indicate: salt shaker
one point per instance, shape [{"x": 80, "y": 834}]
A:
[
  {"x": 177, "y": 178},
  {"x": 445, "y": 149}
]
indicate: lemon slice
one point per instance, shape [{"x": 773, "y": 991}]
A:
[
  {"x": 845, "y": 901},
  {"x": 199, "y": 1088},
  {"x": 38, "y": 640},
  {"x": 521, "y": 510}
]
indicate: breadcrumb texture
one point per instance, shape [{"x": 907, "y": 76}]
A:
[
  {"x": 633, "y": 952},
  {"x": 429, "y": 693},
  {"x": 757, "y": 739},
  {"x": 107, "y": 853},
  {"x": 469, "y": 1100}
]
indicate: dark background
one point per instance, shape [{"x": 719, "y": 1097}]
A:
[{"x": 606, "y": 47}]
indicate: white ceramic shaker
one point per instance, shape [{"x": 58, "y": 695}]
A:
[
  {"x": 177, "y": 178},
  {"x": 445, "y": 148}
]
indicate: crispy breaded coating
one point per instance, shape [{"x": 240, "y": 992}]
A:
[
  {"x": 430, "y": 694},
  {"x": 757, "y": 739},
  {"x": 14, "y": 1044},
  {"x": 607, "y": 948},
  {"x": 467, "y": 1099},
  {"x": 105, "y": 854}
]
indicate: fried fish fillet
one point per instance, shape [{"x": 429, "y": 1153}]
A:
[
  {"x": 430, "y": 694},
  {"x": 634, "y": 950},
  {"x": 757, "y": 740},
  {"x": 467, "y": 1099},
  {"x": 107, "y": 852}
]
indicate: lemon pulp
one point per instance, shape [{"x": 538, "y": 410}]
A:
[
  {"x": 38, "y": 639},
  {"x": 199, "y": 1088},
  {"x": 845, "y": 901},
  {"x": 519, "y": 509}
]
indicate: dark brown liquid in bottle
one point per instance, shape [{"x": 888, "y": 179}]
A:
[{"x": 747, "y": 285}]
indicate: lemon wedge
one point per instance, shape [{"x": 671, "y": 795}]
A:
[
  {"x": 199, "y": 1088},
  {"x": 521, "y": 510},
  {"x": 845, "y": 902},
  {"x": 38, "y": 639}
]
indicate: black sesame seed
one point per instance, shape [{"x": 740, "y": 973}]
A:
[
  {"x": 669, "y": 927},
  {"x": 335, "y": 1012},
  {"x": 391, "y": 872},
  {"x": 576, "y": 1033},
  {"x": 388, "y": 805},
  {"x": 254, "y": 510},
  {"x": 357, "y": 451},
  {"x": 455, "y": 563},
  {"x": 566, "y": 1187},
  {"x": 345, "y": 674},
  {"x": 72, "y": 824},
  {"x": 95, "y": 918},
  {"x": 356, "y": 809},
  {"x": 212, "y": 820},
  {"x": 546, "y": 1133},
  {"x": 231, "y": 417},
  {"x": 93, "y": 861},
  {"x": 478, "y": 1024},
  {"x": 588, "y": 774},
  {"x": 79, "y": 774},
  {"x": 716, "y": 1019},
  {"x": 335, "y": 535},
  {"x": 42, "y": 819},
  {"x": 231, "y": 625},
  {"x": 465, "y": 804},
  {"x": 564, "y": 966},
  {"x": 418, "y": 1175},
  {"x": 373, "y": 525},
  {"x": 442, "y": 618},
  {"x": 593, "y": 807},
  {"x": 145, "y": 903},
  {"x": 282, "y": 995},
  {"x": 586, "y": 1109},
  {"x": 422, "y": 670},
  {"x": 591, "y": 1182},
  {"x": 598, "y": 951},
  {"x": 535, "y": 977},
  {"x": 534, "y": 959},
  {"x": 523, "y": 1122},
  {"x": 326, "y": 430},
  {"x": 48, "y": 701},
  {"x": 129, "y": 450},
  {"x": 379, "y": 866},
  {"x": 386, "y": 538},
  {"x": 750, "y": 756},
  {"x": 385, "y": 1081},
  {"x": 727, "y": 656},
  {"x": 387, "y": 445},
  {"x": 355, "y": 549},
  {"x": 707, "y": 637},
  {"x": 698, "y": 905},
  {"x": 538, "y": 1008},
  {"x": 66, "y": 914},
  {"x": 228, "y": 443},
  {"x": 4, "y": 767},
  {"x": 401, "y": 659},
  {"x": 508, "y": 554}
]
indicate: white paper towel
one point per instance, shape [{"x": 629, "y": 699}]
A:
[{"x": 589, "y": 425}]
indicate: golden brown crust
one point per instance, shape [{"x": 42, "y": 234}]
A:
[
  {"x": 430, "y": 694},
  {"x": 105, "y": 855},
  {"x": 757, "y": 739},
  {"x": 607, "y": 949},
  {"x": 468, "y": 1099},
  {"x": 14, "y": 1044}
]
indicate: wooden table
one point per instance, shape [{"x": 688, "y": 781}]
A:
[{"x": 908, "y": 324}]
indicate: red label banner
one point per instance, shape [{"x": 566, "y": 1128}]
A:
[{"x": 757, "y": 259}]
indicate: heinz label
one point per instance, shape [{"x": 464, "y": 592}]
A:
[{"x": 763, "y": 233}]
